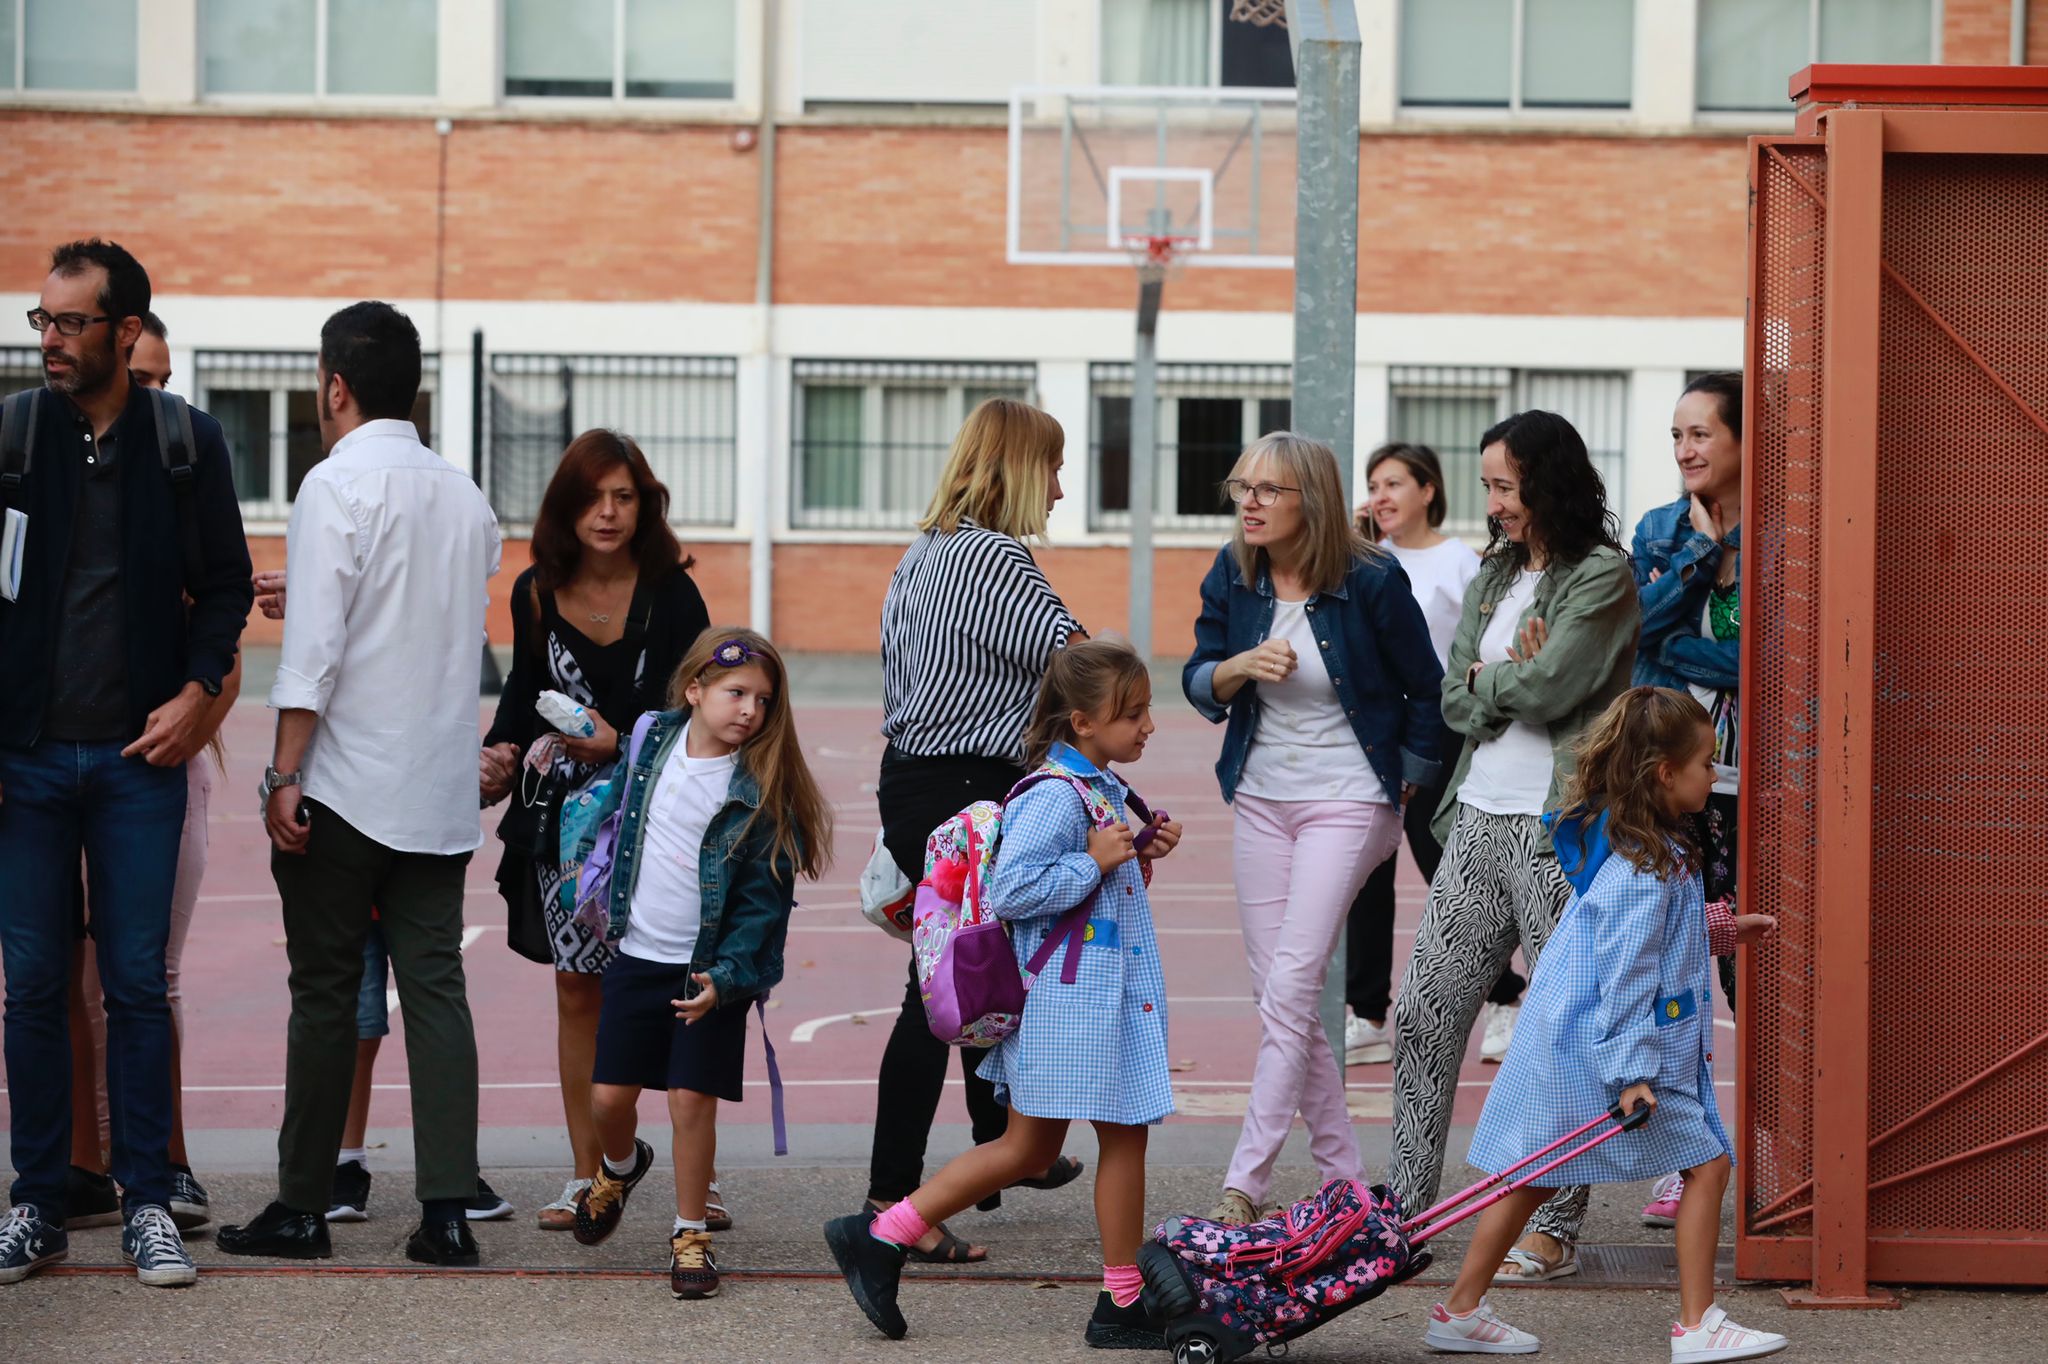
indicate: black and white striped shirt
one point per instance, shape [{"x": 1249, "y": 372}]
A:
[{"x": 966, "y": 631}]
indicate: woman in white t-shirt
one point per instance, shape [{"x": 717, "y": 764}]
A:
[
  {"x": 1404, "y": 507},
  {"x": 1312, "y": 649},
  {"x": 1544, "y": 642}
]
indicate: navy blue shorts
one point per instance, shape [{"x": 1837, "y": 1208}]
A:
[{"x": 641, "y": 1042}]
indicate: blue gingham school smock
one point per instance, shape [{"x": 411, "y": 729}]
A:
[
  {"x": 1621, "y": 995},
  {"x": 1095, "y": 1050}
]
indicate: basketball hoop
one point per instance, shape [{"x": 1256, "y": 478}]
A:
[
  {"x": 1156, "y": 257},
  {"x": 1260, "y": 12}
]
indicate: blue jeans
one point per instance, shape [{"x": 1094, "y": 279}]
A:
[
  {"x": 373, "y": 1010},
  {"x": 56, "y": 800}
]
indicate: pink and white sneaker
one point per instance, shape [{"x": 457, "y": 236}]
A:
[
  {"x": 1717, "y": 1338},
  {"x": 1662, "y": 1209},
  {"x": 1480, "y": 1332}
]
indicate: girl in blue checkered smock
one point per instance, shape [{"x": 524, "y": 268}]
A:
[
  {"x": 1093, "y": 1050},
  {"x": 1619, "y": 1009}
]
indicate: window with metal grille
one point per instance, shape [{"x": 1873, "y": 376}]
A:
[
  {"x": 20, "y": 367},
  {"x": 1448, "y": 408},
  {"x": 869, "y": 438},
  {"x": 1207, "y": 415},
  {"x": 267, "y": 404},
  {"x": 679, "y": 409}
]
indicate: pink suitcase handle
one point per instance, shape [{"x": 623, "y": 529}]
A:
[{"x": 1477, "y": 1199}]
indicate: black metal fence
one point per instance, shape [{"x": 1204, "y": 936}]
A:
[
  {"x": 868, "y": 439},
  {"x": 681, "y": 410},
  {"x": 20, "y": 367},
  {"x": 1207, "y": 415}
]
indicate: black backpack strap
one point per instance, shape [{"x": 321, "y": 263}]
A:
[
  {"x": 179, "y": 452},
  {"x": 641, "y": 610},
  {"x": 18, "y": 422}
]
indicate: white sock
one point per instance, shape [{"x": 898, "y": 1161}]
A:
[
  {"x": 684, "y": 1224},
  {"x": 620, "y": 1168},
  {"x": 354, "y": 1153}
]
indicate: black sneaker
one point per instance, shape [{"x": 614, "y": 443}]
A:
[
  {"x": 90, "y": 1200},
  {"x": 350, "y": 1201},
  {"x": 484, "y": 1205},
  {"x": 27, "y": 1243},
  {"x": 599, "y": 1207},
  {"x": 873, "y": 1269},
  {"x": 1124, "y": 1328},
  {"x": 189, "y": 1208}
]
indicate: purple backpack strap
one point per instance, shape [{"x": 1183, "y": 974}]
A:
[
  {"x": 1071, "y": 927},
  {"x": 774, "y": 1078}
]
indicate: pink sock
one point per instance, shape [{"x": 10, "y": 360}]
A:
[
  {"x": 902, "y": 1225},
  {"x": 1123, "y": 1282}
]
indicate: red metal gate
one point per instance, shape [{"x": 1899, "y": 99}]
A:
[{"x": 1894, "y": 1038}]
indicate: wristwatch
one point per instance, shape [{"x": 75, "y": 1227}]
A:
[{"x": 274, "y": 780}]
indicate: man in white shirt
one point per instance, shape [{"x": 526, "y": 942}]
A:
[{"x": 371, "y": 799}]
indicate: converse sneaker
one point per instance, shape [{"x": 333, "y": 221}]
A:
[
  {"x": 151, "y": 1243},
  {"x": 90, "y": 1199},
  {"x": 1479, "y": 1332},
  {"x": 1716, "y": 1338},
  {"x": 189, "y": 1208},
  {"x": 1662, "y": 1209},
  {"x": 27, "y": 1243},
  {"x": 1366, "y": 1043},
  {"x": 560, "y": 1215},
  {"x": 484, "y": 1205},
  {"x": 599, "y": 1207},
  {"x": 1500, "y": 1031},
  {"x": 350, "y": 1201},
  {"x": 692, "y": 1269}
]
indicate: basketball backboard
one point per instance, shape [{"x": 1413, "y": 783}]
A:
[{"x": 1099, "y": 172}]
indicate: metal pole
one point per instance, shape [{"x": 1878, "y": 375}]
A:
[
  {"x": 1144, "y": 461},
  {"x": 1324, "y": 36}
]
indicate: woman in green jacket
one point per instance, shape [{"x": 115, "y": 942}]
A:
[{"x": 1546, "y": 640}]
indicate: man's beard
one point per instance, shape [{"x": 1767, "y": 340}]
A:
[{"x": 87, "y": 373}]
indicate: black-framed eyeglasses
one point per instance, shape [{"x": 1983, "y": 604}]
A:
[
  {"x": 1258, "y": 494},
  {"x": 67, "y": 324}
]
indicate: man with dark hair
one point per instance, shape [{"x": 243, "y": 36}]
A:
[
  {"x": 105, "y": 678},
  {"x": 149, "y": 364},
  {"x": 371, "y": 798}
]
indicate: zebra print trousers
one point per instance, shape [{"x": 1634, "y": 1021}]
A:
[{"x": 1498, "y": 883}]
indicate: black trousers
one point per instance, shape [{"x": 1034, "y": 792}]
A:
[
  {"x": 916, "y": 796},
  {"x": 1369, "y": 926}
]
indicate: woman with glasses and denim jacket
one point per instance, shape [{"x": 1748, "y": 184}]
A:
[
  {"x": 1311, "y": 647},
  {"x": 1545, "y": 642}
]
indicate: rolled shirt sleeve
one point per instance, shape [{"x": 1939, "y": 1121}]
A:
[{"x": 323, "y": 566}]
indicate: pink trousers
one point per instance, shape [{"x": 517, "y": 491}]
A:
[{"x": 1299, "y": 865}]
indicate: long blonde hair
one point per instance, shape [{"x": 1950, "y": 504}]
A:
[
  {"x": 1617, "y": 773},
  {"x": 1330, "y": 541},
  {"x": 773, "y": 757},
  {"x": 1000, "y": 471},
  {"x": 1095, "y": 677}
]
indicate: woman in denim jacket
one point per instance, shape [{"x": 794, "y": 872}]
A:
[
  {"x": 1545, "y": 642},
  {"x": 1311, "y": 646},
  {"x": 1688, "y": 566}
]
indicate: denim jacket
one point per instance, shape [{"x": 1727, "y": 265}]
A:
[
  {"x": 1673, "y": 651},
  {"x": 747, "y": 895},
  {"x": 1593, "y": 619},
  {"x": 1375, "y": 643}
]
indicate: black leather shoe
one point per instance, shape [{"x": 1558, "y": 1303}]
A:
[
  {"x": 279, "y": 1233},
  {"x": 442, "y": 1243}
]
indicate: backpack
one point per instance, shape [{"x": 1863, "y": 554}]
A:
[
  {"x": 966, "y": 968},
  {"x": 590, "y": 848},
  {"x": 174, "y": 445}
]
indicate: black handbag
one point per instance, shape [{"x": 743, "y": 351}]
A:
[{"x": 526, "y": 928}]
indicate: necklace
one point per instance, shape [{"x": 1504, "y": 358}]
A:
[{"x": 601, "y": 617}]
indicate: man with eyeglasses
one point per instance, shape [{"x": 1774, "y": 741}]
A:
[{"x": 105, "y": 676}]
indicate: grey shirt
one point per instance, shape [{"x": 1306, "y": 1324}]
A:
[{"x": 89, "y": 674}]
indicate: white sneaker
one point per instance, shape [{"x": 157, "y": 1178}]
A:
[
  {"x": 1717, "y": 1338},
  {"x": 1366, "y": 1043},
  {"x": 1500, "y": 1031},
  {"x": 1480, "y": 1333}
]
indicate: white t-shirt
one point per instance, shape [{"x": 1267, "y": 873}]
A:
[
  {"x": 1509, "y": 775},
  {"x": 668, "y": 905},
  {"x": 1439, "y": 576},
  {"x": 1304, "y": 748}
]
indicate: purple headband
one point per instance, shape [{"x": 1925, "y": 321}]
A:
[{"x": 733, "y": 653}]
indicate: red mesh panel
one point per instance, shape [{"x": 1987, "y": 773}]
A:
[
  {"x": 1960, "y": 816},
  {"x": 1781, "y": 583}
]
